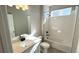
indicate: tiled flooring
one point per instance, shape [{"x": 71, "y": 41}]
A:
[{"x": 53, "y": 50}]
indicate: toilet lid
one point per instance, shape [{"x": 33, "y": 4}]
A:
[{"x": 44, "y": 45}]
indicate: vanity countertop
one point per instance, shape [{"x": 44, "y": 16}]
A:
[{"x": 17, "y": 48}]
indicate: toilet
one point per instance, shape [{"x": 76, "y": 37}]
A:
[{"x": 44, "y": 46}]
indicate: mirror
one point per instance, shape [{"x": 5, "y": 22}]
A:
[{"x": 18, "y": 21}]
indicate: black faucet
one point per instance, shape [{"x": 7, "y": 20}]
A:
[{"x": 22, "y": 38}]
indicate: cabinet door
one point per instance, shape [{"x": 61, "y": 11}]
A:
[
  {"x": 38, "y": 49},
  {"x": 35, "y": 49},
  {"x": 28, "y": 50}
]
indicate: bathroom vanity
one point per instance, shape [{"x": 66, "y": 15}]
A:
[{"x": 30, "y": 45}]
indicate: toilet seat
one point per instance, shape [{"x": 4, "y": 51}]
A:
[{"x": 44, "y": 45}]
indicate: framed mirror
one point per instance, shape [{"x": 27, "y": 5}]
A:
[{"x": 18, "y": 21}]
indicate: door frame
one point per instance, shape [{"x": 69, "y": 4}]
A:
[
  {"x": 4, "y": 28},
  {"x": 76, "y": 32}
]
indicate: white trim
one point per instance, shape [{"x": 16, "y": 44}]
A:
[{"x": 76, "y": 31}]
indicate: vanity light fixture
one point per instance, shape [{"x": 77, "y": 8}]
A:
[{"x": 23, "y": 7}]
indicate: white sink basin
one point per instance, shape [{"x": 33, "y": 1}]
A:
[{"x": 31, "y": 38}]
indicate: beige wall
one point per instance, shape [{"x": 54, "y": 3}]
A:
[{"x": 35, "y": 20}]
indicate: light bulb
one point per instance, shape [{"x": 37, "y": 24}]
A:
[
  {"x": 26, "y": 7},
  {"x": 10, "y": 5},
  {"x": 21, "y": 6},
  {"x": 17, "y": 7},
  {"x": 23, "y": 9}
]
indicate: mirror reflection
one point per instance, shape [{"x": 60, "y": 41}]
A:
[{"x": 18, "y": 20}]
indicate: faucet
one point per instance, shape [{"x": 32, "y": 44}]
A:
[{"x": 22, "y": 38}]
